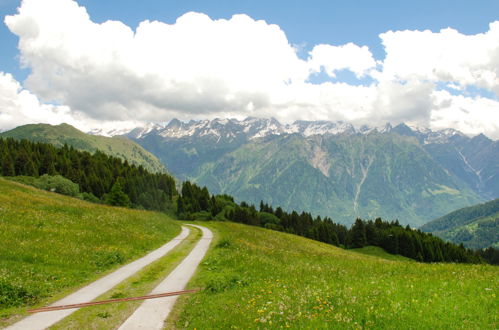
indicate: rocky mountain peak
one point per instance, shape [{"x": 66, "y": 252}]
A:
[{"x": 253, "y": 128}]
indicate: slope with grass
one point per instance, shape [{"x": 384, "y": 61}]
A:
[
  {"x": 53, "y": 244},
  {"x": 59, "y": 135},
  {"x": 477, "y": 226},
  {"x": 257, "y": 278},
  {"x": 376, "y": 251}
]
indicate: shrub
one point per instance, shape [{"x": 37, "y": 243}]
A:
[
  {"x": 89, "y": 197},
  {"x": 58, "y": 184},
  {"x": 203, "y": 216},
  {"x": 54, "y": 183}
]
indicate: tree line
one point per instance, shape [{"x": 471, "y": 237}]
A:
[
  {"x": 101, "y": 178},
  {"x": 196, "y": 203}
]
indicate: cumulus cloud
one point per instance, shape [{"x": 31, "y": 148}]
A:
[
  {"x": 446, "y": 56},
  {"x": 200, "y": 67},
  {"x": 197, "y": 65},
  {"x": 408, "y": 102},
  {"x": 19, "y": 106},
  {"x": 472, "y": 115},
  {"x": 357, "y": 59}
]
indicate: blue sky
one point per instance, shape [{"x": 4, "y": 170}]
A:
[
  {"x": 306, "y": 23},
  {"x": 327, "y": 60}
]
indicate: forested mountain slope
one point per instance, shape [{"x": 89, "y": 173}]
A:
[
  {"x": 59, "y": 135},
  {"x": 477, "y": 227},
  {"x": 331, "y": 169}
]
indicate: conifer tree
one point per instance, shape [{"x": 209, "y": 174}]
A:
[
  {"x": 8, "y": 166},
  {"x": 117, "y": 197},
  {"x": 358, "y": 234}
]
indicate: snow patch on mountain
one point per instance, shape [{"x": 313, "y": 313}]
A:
[{"x": 254, "y": 128}]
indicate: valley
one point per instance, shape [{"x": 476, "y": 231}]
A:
[
  {"x": 343, "y": 172},
  {"x": 249, "y": 165},
  {"x": 477, "y": 226}
]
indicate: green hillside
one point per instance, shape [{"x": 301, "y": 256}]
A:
[
  {"x": 343, "y": 177},
  {"x": 251, "y": 278},
  {"x": 52, "y": 244},
  {"x": 116, "y": 146},
  {"x": 477, "y": 226},
  {"x": 259, "y": 279},
  {"x": 379, "y": 252}
]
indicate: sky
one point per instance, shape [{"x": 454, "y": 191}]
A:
[{"x": 121, "y": 64}]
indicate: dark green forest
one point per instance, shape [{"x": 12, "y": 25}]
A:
[
  {"x": 196, "y": 203},
  {"x": 101, "y": 178},
  {"x": 107, "y": 179},
  {"x": 463, "y": 216}
]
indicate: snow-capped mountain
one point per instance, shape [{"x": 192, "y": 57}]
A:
[
  {"x": 109, "y": 132},
  {"x": 134, "y": 133},
  {"x": 253, "y": 128},
  {"x": 397, "y": 171}
]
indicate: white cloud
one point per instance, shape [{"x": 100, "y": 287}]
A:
[
  {"x": 470, "y": 115},
  {"x": 196, "y": 65},
  {"x": 199, "y": 67},
  {"x": 408, "y": 102},
  {"x": 357, "y": 59},
  {"x": 447, "y": 56},
  {"x": 19, "y": 106}
]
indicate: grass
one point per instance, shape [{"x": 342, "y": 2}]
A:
[
  {"x": 113, "y": 315},
  {"x": 53, "y": 244},
  {"x": 252, "y": 277},
  {"x": 258, "y": 279},
  {"x": 376, "y": 251}
]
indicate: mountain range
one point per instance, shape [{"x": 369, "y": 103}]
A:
[
  {"x": 331, "y": 168},
  {"x": 326, "y": 168}
]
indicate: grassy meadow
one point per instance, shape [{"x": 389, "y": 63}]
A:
[
  {"x": 111, "y": 316},
  {"x": 53, "y": 244},
  {"x": 253, "y": 278},
  {"x": 257, "y": 278}
]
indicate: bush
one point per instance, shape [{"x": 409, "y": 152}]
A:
[
  {"x": 58, "y": 184},
  {"x": 268, "y": 218},
  {"x": 89, "y": 197},
  {"x": 203, "y": 216},
  {"x": 55, "y": 183}
]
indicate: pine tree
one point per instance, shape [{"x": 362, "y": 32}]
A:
[
  {"x": 8, "y": 166},
  {"x": 358, "y": 233},
  {"x": 117, "y": 197}
]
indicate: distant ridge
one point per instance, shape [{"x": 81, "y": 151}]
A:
[
  {"x": 330, "y": 168},
  {"x": 118, "y": 146},
  {"x": 477, "y": 226}
]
